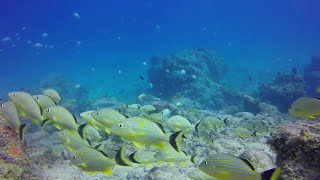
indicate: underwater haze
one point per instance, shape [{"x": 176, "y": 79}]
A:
[
  {"x": 251, "y": 36},
  {"x": 160, "y": 89}
]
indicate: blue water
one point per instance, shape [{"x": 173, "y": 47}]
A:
[{"x": 254, "y": 37}]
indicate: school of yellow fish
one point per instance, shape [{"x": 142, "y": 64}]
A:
[{"x": 145, "y": 129}]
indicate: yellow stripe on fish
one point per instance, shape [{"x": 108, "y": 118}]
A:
[
  {"x": 10, "y": 114},
  {"x": 61, "y": 118},
  {"x": 142, "y": 132},
  {"x": 107, "y": 117},
  {"x": 44, "y": 101},
  {"x": 87, "y": 116},
  {"x": 27, "y": 106},
  {"x": 226, "y": 167},
  {"x": 53, "y": 94}
]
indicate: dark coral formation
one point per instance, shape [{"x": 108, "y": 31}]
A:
[
  {"x": 298, "y": 148},
  {"x": 250, "y": 104},
  {"x": 312, "y": 76},
  {"x": 191, "y": 73},
  {"x": 284, "y": 89}
]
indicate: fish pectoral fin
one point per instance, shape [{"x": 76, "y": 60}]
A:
[
  {"x": 162, "y": 145},
  {"x": 107, "y": 130},
  {"x": 108, "y": 170},
  {"x": 71, "y": 131},
  {"x": 138, "y": 145},
  {"x": 57, "y": 126},
  {"x": 171, "y": 163},
  {"x": 70, "y": 148},
  {"x": 311, "y": 117},
  {"x": 34, "y": 120},
  {"x": 22, "y": 113},
  {"x": 183, "y": 162}
]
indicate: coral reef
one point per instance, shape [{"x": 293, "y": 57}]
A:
[
  {"x": 250, "y": 104},
  {"x": 284, "y": 89},
  {"x": 298, "y": 150},
  {"x": 312, "y": 76},
  {"x": 194, "y": 74}
]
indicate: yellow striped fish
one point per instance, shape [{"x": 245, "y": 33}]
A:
[
  {"x": 171, "y": 156},
  {"x": 10, "y": 114},
  {"x": 144, "y": 157},
  {"x": 61, "y": 118},
  {"x": 88, "y": 132},
  {"x": 227, "y": 167},
  {"x": 44, "y": 101},
  {"x": 72, "y": 140},
  {"x": 27, "y": 106},
  {"x": 53, "y": 94},
  {"x": 92, "y": 160},
  {"x": 107, "y": 117},
  {"x": 199, "y": 175},
  {"x": 87, "y": 116},
  {"x": 142, "y": 131}
]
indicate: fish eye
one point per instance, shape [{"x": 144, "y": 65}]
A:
[
  {"x": 48, "y": 110},
  {"x": 88, "y": 113},
  {"x": 206, "y": 162},
  {"x": 98, "y": 113},
  {"x": 74, "y": 157},
  {"x": 120, "y": 125},
  {"x": 38, "y": 97},
  {"x": 161, "y": 154},
  {"x": 290, "y": 107},
  {"x": 1, "y": 105},
  {"x": 14, "y": 94},
  {"x": 194, "y": 173}
]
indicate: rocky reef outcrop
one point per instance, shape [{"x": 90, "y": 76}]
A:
[
  {"x": 298, "y": 150},
  {"x": 192, "y": 73},
  {"x": 312, "y": 76},
  {"x": 14, "y": 163},
  {"x": 283, "y": 91}
]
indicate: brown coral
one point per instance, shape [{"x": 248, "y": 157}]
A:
[{"x": 298, "y": 148}]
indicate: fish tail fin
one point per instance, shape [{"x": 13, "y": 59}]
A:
[
  {"x": 121, "y": 158},
  {"x": 194, "y": 159},
  {"x": 21, "y": 130},
  {"x": 196, "y": 127},
  {"x": 271, "y": 174},
  {"x": 175, "y": 140},
  {"x": 44, "y": 122},
  {"x": 132, "y": 159},
  {"x": 81, "y": 130}
]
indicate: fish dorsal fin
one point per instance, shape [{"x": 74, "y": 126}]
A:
[
  {"x": 97, "y": 146},
  {"x": 132, "y": 159},
  {"x": 161, "y": 127},
  {"x": 81, "y": 130},
  {"x": 248, "y": 163},
  {"x": 75, "y": 119},
  {"x": 103, "y": 153}
]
